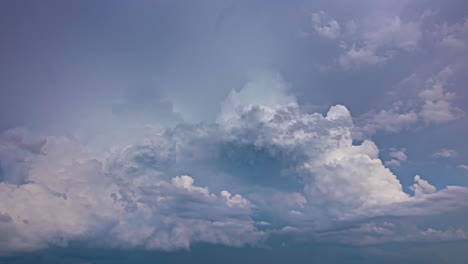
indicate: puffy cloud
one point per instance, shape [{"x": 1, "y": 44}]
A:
[
  {"x": 342, "y": 181},
  {"x": 325, "y": 26},
  {"x": 132, "y": 194},
  {"x": 334, "y": 171},
  {"x": 125, "y": 200},
  {"x": 444, "y": 153}
]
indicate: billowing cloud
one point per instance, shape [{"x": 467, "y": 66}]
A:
[
  {"x": 342, "y": 180},
  {"x": 122, "y": 200},
  {"x": 131, "y": 194}
]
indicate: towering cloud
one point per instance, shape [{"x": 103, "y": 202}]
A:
[{"x": 58, "y": 190}]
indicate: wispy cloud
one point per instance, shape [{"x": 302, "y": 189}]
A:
[{"x": 445, "y": 153}]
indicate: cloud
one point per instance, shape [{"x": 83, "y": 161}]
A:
[
  {"x": 453, "y": 36},
  {"x": 132, "y": 194},
  {"x": 384, "y": 120},
  {"x": 376, "y": 43},
  {"x": 124, "y": 200},
  {"x": 422, "y": 187},
  {"x": 342, "y": 181},
  {"x": 16, "y": 150},
  {"x": 445, "y": 153},
  {"x": 380, "y": 232},
  {"x": 463, "y": 166},
  {"x": 437, "y": 107},
  {"x": 333, "y": 169},
  {"x": 393, "y": 163},
  {"x": 325, "y": 26},
  {"x": 355, "y": 58},
  {"x": 398, "y": 156}
]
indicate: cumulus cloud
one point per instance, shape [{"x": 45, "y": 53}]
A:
[
  {"x": 123, "y": 200},
  {"x": 325, "y": 26},
  {"x": 130, "y": 195},
  {"x": 331, "y": 167}
]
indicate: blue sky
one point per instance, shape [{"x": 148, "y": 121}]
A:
[{"x": 242, "y": 131}]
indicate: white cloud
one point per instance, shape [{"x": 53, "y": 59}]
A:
[
  {"x": 341, "y": 181},
  {"x": 325, "y": 26},
  {"x": 125, "y": 200},
  {"x": 335, "y": 170},
  {"x": 463, "y": 166},
  {"x": 445, "y": 153},
  {"x": 128, "y": 196}
]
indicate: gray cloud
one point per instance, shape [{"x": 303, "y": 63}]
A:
[
  {"x": 444, "y": 153},
  {"x": 325, "y": 26}
]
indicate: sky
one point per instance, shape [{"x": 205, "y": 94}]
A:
[{"x": 233, "y": 131}]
